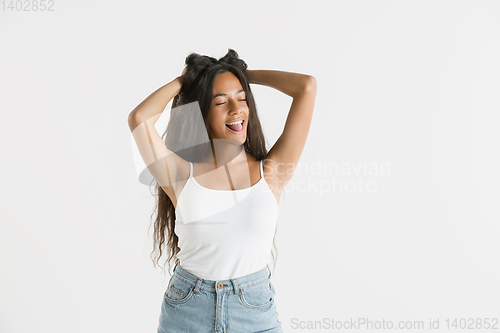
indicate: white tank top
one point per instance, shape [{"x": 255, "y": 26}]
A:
[{"x": 225, "y": 234}]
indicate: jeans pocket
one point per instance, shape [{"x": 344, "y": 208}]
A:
[
  {"x": 178, "y": 291},
  {"x": 259, "y": 296}
]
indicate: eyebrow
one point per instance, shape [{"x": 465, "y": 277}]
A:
[{"x": 221, "y": 94}]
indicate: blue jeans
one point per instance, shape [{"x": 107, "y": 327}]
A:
[{"x": 242, "y": 305}]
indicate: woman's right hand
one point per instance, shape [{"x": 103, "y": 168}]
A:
[{"x": 181, "y": 78}]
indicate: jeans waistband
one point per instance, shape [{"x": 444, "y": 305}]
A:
[{"x": 218, "y": 286}]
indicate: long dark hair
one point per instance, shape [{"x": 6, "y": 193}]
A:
[{"x": 197, "y": 86}]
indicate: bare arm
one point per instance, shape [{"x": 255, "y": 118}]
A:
[
  {"x": 288, "y": 83},
  {"x": 152, "y": 107},
  {"x": 283, "y": 157},
  {"x": 165, "y": 166}
]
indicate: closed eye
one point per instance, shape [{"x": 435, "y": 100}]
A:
[{"x": 225, "y": 102}]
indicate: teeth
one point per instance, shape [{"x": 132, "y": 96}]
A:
[{"x": 236, "y": 122}]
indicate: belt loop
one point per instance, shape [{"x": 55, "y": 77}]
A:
[
  {"x": 177, "y": 263},
  {"x": 198, "y": 285},
  {"x": 269, "y": 270},
  {"x": 235, "y": 285}
]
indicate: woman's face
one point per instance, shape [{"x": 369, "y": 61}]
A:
[{"x": 228, "y": 106}]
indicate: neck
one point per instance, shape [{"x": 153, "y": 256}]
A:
[{"x": 226, "y": 151}]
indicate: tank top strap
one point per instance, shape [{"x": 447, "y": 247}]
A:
[
  {"x": 261, "y": 169},
  {"x": 190, "y": 169}
]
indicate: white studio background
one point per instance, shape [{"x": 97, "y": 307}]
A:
[{"x": 407, "y": 108}]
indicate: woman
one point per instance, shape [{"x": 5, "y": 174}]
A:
[{"x": 216, "y": 205}]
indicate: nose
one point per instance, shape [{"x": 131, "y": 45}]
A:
[{"x": 234, "y": 106}]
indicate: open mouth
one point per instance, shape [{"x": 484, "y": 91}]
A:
[{"x": 236, "y": 128}]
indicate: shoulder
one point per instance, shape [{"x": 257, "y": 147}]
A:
[{"x": 270, "y": 173}]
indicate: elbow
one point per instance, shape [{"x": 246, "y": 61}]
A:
[
  {"x": 307, "y": 86},
  {"x": 133, "y": 122},
  {"x": 131, "y": 117},
  {"x": 310, "y": 83}
]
